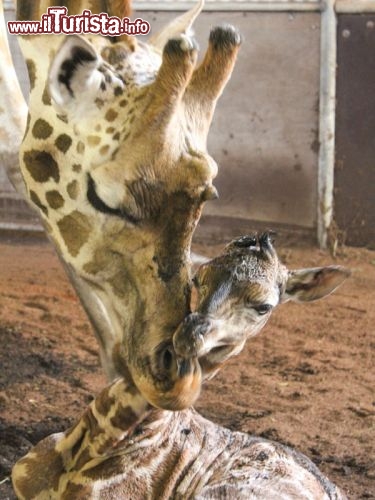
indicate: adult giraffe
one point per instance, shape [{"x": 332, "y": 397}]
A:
[{"x": 114, "y": 157}]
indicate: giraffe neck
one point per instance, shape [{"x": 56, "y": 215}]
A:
[
  {"x": 120, "y": 266},
  {"x": 121, "y": 448},
  {"x": 105, "y": 425},
  {"x": 99, "y": 267}
]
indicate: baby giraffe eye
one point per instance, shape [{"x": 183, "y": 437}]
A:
[{"x": 263, "y": 309}]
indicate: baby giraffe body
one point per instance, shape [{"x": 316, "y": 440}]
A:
[{"x": 123, "y": 448}]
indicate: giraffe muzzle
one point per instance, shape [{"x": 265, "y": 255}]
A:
[
  {"x": 170, "y": 382},
  {"x": 189, "y": 339},
  {"x": 170, "y": 364}
]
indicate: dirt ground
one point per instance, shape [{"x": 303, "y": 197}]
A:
[{"x": 308, "y": 380}]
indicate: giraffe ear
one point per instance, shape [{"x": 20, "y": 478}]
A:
[
  {"x": 181, "y": 24},
  {"x": 73, "y": 72},
  {"x": 305, "y": 285}
]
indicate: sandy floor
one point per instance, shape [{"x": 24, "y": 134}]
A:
[{"x": 308, "y": 380}]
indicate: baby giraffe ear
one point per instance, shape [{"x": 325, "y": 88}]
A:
[
  {"x": 305, "y": 285},
  {"x": 73, "y": 72}
]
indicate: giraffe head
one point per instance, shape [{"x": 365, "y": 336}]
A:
[
  {"x": 115, "y": 158},
  {"x": 237, "y": 293}
]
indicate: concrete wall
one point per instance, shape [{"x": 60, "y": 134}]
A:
[{"x": 264, "y": 134}]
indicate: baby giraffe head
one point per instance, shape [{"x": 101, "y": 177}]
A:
[{"x": 237, "y": 293}]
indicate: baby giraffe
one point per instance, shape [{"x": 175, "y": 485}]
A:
[
  {"x": 237, "y": 292},
  {"x": 123, "y": 448}
]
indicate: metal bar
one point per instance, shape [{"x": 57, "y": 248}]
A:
[
  {"x": 9, "y": 5},
  {"x": 327, "y": 109},
  {"x": 223, "y": 6},
  {"x": 21, "y": 226},
  {"x": 355, "y": 6}
]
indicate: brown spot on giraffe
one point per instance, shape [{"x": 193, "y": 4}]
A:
[
  {"x": 116, "y": 137},
  {"x": 75, "y": 229},
  {"x": 41, "y": 165},
  {"x": 73, "y": 189},
  {"x": 80, "y": 147},
  {"x": 54, "y": 199},
  {"x": 104, "y": 150},
  {"x": 63, "y": 142},
  {"x": 91, "y": 268},
  {"x": 110, "y": 130},
  {"x": 91, "y": 424},
  {"x": 46, "y": 96},
  {"x": 62, "y": 118},
  {"x": 118, "y": 91},
  {"x": 123, "y": 416},
  {"x": 74, "y": 490},
  {"x": 123, "y": 103},
  {"x": 77, "y": 446},
  {"x": 120, "y": 284},
  {"x": 52, "y": 464},
  {"x": 93, "y": 140},
  {"x": 111, "y": 115},
  {"x": 31, "y": 69},
  {"x": 41, "y": 129},
  {"x": 77, "y": 167},
  {"x": 36, "y": 200},
  {"x": 115, "y": 54},
  {"x": 104, "y": 402},
  {"x": 99, "y": 102}
]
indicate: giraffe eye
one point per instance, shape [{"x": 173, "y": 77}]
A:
[{"x": 263, "y": 309}]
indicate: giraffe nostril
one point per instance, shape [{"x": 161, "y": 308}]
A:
[
  {"x": 164, "y": 363},
  {"x": 167, "y": 359}
]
